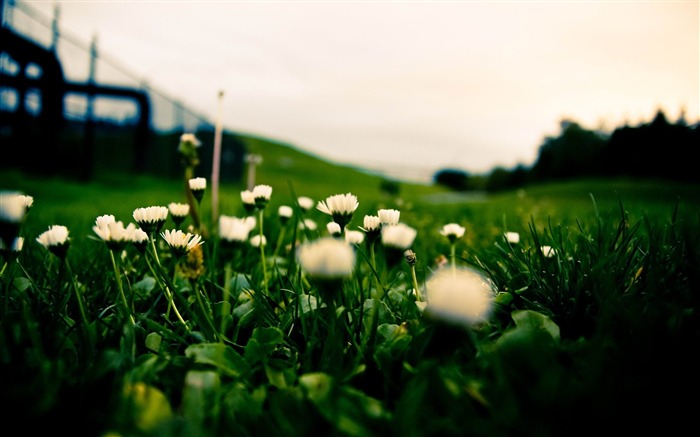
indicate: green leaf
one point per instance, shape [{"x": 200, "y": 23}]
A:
[
  {"x": 532, "y": 320},
  {"x": 308, "y": 303},
  {"x": 146, "y": 406},
  {"x": 504, "y": 298},
  {"x": 238, "y": 283},
  {"x": 372, "y": 309},
  {"x": 153, "y": 341},
  {"x": 200, "y": 395},
  {"x": 348, "y": 409},
  {"x": 21, "y": 283},
  {"x": 144, "y": 286},
  {"x": 262, "y": 343},
  {"x": 219, "y": 355}
]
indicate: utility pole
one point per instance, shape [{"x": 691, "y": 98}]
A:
[
  {"x": 216, "y": 162},
  {"x": 253, "y": 160}
]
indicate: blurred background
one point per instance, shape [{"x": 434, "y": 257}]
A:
[{"x": 600, "y": 90}]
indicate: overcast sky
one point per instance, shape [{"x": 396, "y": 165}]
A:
[{"x": 407, "y": 85}]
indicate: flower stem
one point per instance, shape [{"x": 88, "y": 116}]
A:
[
  {"x": 415, "y": 284},
  {"x": 117, "y": 275},
  {"x": 166, "y": 289},
  {"x": 262, "y": 252}
]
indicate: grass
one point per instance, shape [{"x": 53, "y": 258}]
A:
[{"x": 600, "y": 336}]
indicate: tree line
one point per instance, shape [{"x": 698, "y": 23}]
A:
[{"x": 657, "y": 149}]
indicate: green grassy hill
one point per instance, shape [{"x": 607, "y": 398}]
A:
[{"x": 292, "y": 172}]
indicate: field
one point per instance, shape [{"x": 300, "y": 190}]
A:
[{"x": 471, "y": 335}]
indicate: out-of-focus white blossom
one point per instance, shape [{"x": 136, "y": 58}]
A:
[
  {"x": 399, "y": 236},
  {"x": 389, "y": 216},
  {"x": 327, "y": 258},
  {"x": 462, "y": 296}
]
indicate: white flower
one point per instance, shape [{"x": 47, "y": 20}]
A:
[
  {"x": 257, "y": 240},
  {"x": 262, "y": 192},
  {"x": 333, "y": 228},
  {"x": 354, "y": 237},
  {"x": 252, "y": 222},
  {"x": 233, "y": 229},
  {"x": 104, "y": 220},
  {"x": 197, "y": 184},
  {"x": 110, "y": 231},
  {"x": 512, "y": 237},
  {"x": 340, "y": 207},
  {"x": 548, "y": 251},
  {"x": 371, "y": 223},
  {"x": 248, "y": 198},
  {"x": 151, "y": 218},
  {"x": 54, "y": 236},
  {"x": 327, "y": 257},
  {"x": 28, "y": 201},
  {"x": 179, "y": 209},
  {"x": 463, "y": 296},
  {"x": 16, "y": 246},
  {"x": 135, "y": 235},
  {"x": 189, "y": 137},
  {"x": 285, "y": 211},
  {"x": 180, "y": 241},
  {"x": 305, "y": 203},
  {"x": 342, "y": 204},
  {"x": 308, "y": 224},
  {"x": 452, "y": 231},
  {"x": 399, "y": 236},
  {"x": 151, "y": 214},
  {"x": 14, "y": 206},
  {"x": 389, "y": 216}
]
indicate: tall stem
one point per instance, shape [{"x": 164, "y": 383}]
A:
[
  {"x": 117, "y": 275},
  {"x": 262, "y": 251}
]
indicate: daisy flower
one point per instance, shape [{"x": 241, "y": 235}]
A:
[
  {"x": 181, "y": 242},
  {"x": 190, "y": 138},
  {"x": 512, "y": 237},
  {"x": 327, "y": 258},
  {"x": 13, "y": 208},
  {"x": 233, "y": 229},
  {"x": 399, "y": 236},
  {"x": 334, "y": 229},
  {"x": 548, "y": 251},
  {"x": 309, "y": 224},
  {"x": 285, "y": 213},
  {"x": 178, "y": 212},
  {"x": 463, "y": 296},
  {"x": 305, "y": 203},
  {"x": 452, "y": 231},
  {"x": 12, "y": 252},
  {"x": 262, "y": 194},
  {"x": 389, "y": 216},
  {"x": 340, "y": 207},
  {"x": 354, "y": 237},
  {"x": 151, "y": 219},
  {"x": 197, "y": 187},
  {"x": 55, "y": 240},
  {"x": 248, "y": 199},
  {"x": 136, "y": 236},
  {"x": 111, "y": 231},
  {"x": 258, "y": 240}
]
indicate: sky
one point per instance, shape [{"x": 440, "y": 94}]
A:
[{"x": 407, "y": 87}]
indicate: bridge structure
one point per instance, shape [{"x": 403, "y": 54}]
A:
[{"x": 59, "y": 115}]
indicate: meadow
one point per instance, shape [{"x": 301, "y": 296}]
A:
[{"x": 565, "y": 308}]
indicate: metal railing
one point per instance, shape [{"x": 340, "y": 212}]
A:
[
  {"x": 78, "y": 56},
  {"x": 105, "y": 141}
]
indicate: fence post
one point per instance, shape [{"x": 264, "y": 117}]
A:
[{"x": 216, "y": 162}]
